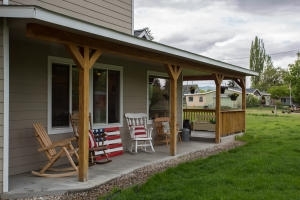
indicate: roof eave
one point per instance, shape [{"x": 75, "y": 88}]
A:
[{"x": 38, "y": 13}]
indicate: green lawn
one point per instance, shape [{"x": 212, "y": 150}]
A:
[{"x": 267, "y": 167}]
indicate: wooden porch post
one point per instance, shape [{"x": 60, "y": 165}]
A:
[
  {"x": 174, "y": 72},
  {"x": 85, "y": 59},
  {"x": 242, "y": 83},
  {"x": 218, "y": 80}
]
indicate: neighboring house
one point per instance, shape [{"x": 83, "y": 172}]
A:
[
  {"x": 143, "y": 33},
  {"x": 264, "y": 97},
  {"x": 207, "y": 100},
  {"x": 186, "y": 89},
  {"x": 59, "y": 57},
  {"x": 286, "y": 101}
]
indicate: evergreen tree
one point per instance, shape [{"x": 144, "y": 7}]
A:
[{"x": 257, "y": 60}]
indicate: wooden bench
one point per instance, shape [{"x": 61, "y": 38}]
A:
[{"x": 203, "y": 126}]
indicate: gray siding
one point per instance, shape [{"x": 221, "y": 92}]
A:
[
  {"x": 116, "y": 15},
  {"x": 1, "y": 105},
  {"x": 135, "y": 88},
  {"x": 28, "y": 101}
]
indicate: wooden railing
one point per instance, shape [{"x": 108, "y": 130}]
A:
[
  {"x": 232, "y": 121},
  {"x": 199, "y": 114}
]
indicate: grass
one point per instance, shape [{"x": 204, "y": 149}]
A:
[{"x": 267, "y": 167}]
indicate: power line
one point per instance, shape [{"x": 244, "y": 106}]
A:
[{"x": 271, "y": 54}]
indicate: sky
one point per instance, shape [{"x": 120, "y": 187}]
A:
[{"x": 224, "y": 29}]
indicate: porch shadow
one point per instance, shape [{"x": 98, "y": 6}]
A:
[{"x": 124, "y": 171}]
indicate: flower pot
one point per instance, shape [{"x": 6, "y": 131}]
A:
[
  {"x": 223, "y": 88},
  {"x": 233, "y": 98}
]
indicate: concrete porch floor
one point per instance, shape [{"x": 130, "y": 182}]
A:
[{"x": 28, "y": 186}]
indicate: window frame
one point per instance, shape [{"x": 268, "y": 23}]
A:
[
  {"x": 158, "y": 74},
  {"x": 200, "y": 99},
  {"x": 70, "y": 62},
  {"x": 107, "y": 67}
]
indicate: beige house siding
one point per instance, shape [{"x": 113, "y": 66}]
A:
[
  {"x": 29, "y": 96},
  {"x": 209, "y": 100},
  {"x": 1, "y": 104},
  {"x": 28, "y": 102},
  {"x": 116, "y": 15}
]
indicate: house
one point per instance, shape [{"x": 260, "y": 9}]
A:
[
  {"x": 57, "y": 57},
  {"x": 143, "y": 33},
  {"x": 207, "y": 100},
  {"x": 264, "y": 97}
]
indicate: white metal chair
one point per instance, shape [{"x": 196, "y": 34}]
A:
[{"x": 140, "y": 134}]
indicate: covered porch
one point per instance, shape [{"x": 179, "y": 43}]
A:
[
  {"x": 86, "y": 50},
  {"x": 33, "y": 40},
  {"x": 122, "y": 172}
]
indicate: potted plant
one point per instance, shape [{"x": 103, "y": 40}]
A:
[
  {"x": 192, "y": 89},
  {"x": 212, "y": 121},
  {"x": 233, "y": 96},
  {"x": 223, "y": 88}
]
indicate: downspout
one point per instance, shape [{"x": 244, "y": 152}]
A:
[
  {"x": 132, "y": 17},
  {"x": 5, "y": 105}
]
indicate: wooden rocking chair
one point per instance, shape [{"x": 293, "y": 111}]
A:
[
  {"x": 163, "y": 134},
  {"x": 55, "y": 151},
  {"x": 96, "y": 141}
]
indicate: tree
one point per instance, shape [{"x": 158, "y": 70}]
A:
[
  {"x": 232, "y": 84},
  {"x": 294, "y": 78},
  {"x": 272, "y": 77},
  {"x": 251, "y": 100},
  {"x": 279, "y": 91},
  {"x": 257, "y": 60}
]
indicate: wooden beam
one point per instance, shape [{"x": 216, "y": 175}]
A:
[
  {"x": 209, "y": 77},
  {"x": 119, "y": 48},
  {"x": 85, "y": 58},
  {"x": 218, "y": 80},
  {"x": 174, "y": 72},
  {"x": 242, "y": 83}
]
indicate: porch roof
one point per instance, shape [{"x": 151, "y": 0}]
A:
[{"x": 177, "y": 56}]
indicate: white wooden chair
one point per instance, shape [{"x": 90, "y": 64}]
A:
[{"x": 140, "y": 134}]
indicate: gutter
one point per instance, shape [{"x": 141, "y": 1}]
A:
[{"x": 33, "y": 12}]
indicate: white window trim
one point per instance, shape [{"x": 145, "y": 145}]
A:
[
  {"x": 60, "y": 60},
  {"x": 68, "y": 61},
  {"x": 109, "y": 67}
]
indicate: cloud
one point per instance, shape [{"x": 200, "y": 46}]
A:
[{"x": 224, "y": 29}]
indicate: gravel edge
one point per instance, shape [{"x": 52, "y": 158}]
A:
[{"x": 135, "y": 177}]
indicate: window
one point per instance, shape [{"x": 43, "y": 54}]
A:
[
  {"x": 60, "y": 95},
  {"x": 190, "y": 99},
  {"x": 158, "y": 95},
  {"x": 200, "y": 99},
  {"x": 105, "y": 93},
  {"x": 106, "y": 96}
]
